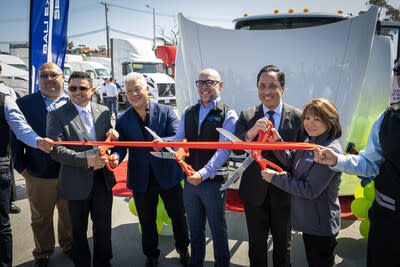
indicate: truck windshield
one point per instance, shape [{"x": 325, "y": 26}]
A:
[
  {"x": 20, "y": 66},
  {"x": 392, "y": 32},
  {"x": 279, "y": 23},
  {"x": 102, "y": 72},
  {"x": 67, "y": 71},
  {"x": 142, "y": 67}
]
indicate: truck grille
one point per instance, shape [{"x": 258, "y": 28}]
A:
[{"x": 166, "y": 90}]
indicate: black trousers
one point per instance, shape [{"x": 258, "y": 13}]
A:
[
  {"x": 146, "y": 205},
  {"x": 273, "y": 215},
  {"x": 99, "y": 205},
  {"x": 383, "y": 238},
  {"x": 5, "y": 227},
  {"x": 320, "y": 250}
]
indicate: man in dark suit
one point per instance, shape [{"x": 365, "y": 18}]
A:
[
  {"x": 266, "y": 206},
  {"x": 149, "y": 176},
  {"x": 39, "y": 170},
  {"x": 83, "y": 180}
]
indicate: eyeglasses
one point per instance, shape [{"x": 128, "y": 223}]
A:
[
  {"x": 208, "y": 83},
  {"x": 51, "y": 76},
  {"x": 81, "y": 88}
]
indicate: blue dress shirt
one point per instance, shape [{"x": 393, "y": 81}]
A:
[
  {"x": 16, "y": 120},
  {"x": 221, "y": 155},
  {"x": 369, "y": 161}
]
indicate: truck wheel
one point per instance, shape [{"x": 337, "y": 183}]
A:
[{"x": 95, "y": 98}]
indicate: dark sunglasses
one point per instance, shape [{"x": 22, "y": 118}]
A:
[
  {"x": 51, "y": 76},
  {"x": 81, "y": 88}
]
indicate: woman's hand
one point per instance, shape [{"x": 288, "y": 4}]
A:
[{"x": 267, "y": 174}]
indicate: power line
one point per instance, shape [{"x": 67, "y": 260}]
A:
[{"x": 111, "y": 29}]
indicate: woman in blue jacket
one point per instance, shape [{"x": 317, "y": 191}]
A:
[{"x": 314, "y": 187}]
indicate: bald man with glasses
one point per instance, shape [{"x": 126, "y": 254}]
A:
[{"x": 39, "y": 170}]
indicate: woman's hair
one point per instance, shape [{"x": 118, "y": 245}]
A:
[{"x": 327, "y": 112}]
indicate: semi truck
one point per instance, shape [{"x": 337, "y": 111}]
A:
[
  {"x": 336, "y": 56},
  {"x": 135, "y": 55}
]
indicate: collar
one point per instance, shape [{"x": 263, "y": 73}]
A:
[
  {"x": 277, "y": 110},
  {"x": 79, "y": 108},
  {"x": 212, "y": 104},
  {"x": 46, "y": 98},
  {"x": 319, "y": 139}
]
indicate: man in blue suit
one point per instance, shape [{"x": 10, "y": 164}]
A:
[{"x": 149, "y": 176}]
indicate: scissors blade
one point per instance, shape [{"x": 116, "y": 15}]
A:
[
  {"x": 230, "y": 136},
  {"x": 159, "y": 139},
  {"x": 239, "y": 171},
  {"x": 163, "y": 155}
]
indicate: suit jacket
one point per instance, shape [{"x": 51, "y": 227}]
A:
[
  {"x": 162, "y": 120},
  {"x": 253, "y": 188},
  {"x": 65, "y": 124},
  {"x": 36, "y": 162}
]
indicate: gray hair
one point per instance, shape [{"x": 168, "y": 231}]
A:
[{"x": 135, "y": 76}]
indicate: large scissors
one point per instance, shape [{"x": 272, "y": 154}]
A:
[
  {"x": 172, "y": 154},
  {"x": 254, "y": 155}
]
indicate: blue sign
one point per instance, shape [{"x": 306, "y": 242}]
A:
[{"x": 48, "y": 36}]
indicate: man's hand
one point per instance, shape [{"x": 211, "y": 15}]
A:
[
  {"x": 101, "y": 101},
  {"x": 275, "y": 135},
  {"x": 324, "y": 155},
  {"x": 114, "y": 134},
  {"x": 260, "y": 125},
  {"x": 44, "y": 145},
  {"x": 113, "y": 161},
  {"x": 156, "y": 149},
  {"x": 97, "y": 162},
  {"x": 195, "y": 179},
  {"x": 267, "y": 174}
]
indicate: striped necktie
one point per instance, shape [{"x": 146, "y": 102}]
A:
[{"x": 271, "y": 116}]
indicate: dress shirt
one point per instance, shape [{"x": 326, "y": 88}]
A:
[
  {"x": 55, "y": 104},
  {"x": 110, "y": 89},
  {"x": 16, "y": 119},
  {"x": 369, "y": 161},
  {"x": 89, "y": 125},
  {"x": 221, "y": 155}
]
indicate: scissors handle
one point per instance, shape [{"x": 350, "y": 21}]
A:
[
  {"x": 103, "y": 152},
  {"x": 186, "y": 167},
  {"x": 256, "y": 154}
]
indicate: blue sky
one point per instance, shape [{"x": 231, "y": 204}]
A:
[{"x": 133, "y": 17}]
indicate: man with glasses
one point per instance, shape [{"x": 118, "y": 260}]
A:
[
  {"x": 84, "y": 181},
  {"x": 201, "y": 194},
  {"x": 11, "y": 118},
  {"x": 150, "y": 177},
  {"x": 266, "y": 206},
  {"x": 39, "y": 170}
]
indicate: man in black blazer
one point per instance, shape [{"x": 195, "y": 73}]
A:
[
  {"x": 83, "y": 180},
  {"x": 266, "y": 206}
]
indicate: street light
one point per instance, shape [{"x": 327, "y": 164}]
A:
[{"x": 154, "y": 26}]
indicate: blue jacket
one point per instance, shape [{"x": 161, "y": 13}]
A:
[
  {"x": 35, "y": 161},
  {"x": 162, "y": 120}
]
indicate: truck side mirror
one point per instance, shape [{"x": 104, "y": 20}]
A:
[{"x": 169, "y": 71}]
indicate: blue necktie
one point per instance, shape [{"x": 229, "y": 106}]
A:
[{"x": 271, "y": 116}]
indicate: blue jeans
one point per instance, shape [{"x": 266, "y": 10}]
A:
[
  {"x": 112, "y": 104},
  {"x": 201, "y": 202},
  {"x": 5, "y": 228}
]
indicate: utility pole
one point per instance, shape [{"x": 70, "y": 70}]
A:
[
  {"x": 107, "y": 28},
  {"x": 154, "y": 26}
]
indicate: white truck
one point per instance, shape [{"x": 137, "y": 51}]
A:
[
  {"x": 134, "y": 55},
  {"x": 322, "y": 55},
  {"x": 98, "y": 72}
]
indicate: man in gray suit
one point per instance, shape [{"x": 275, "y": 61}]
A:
[
  {"x": 83, "y": 180},
  {"x": 266, "y": 206}
]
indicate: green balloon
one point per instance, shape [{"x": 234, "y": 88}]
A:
[
  {"x": 364, "y": 228},
  {"x": 132, "y": 207},
  {"x": 360, "y": 207},
  {"x": 160, "y": 226},
  {"x": 369, "y": 191},
  {"x": 359, "y": 192},
  {"x": 162, "y": 215}
]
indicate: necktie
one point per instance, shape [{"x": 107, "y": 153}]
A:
[
  {"x": 271, "y": 116},
  {"x": 88, "y": 122}
]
